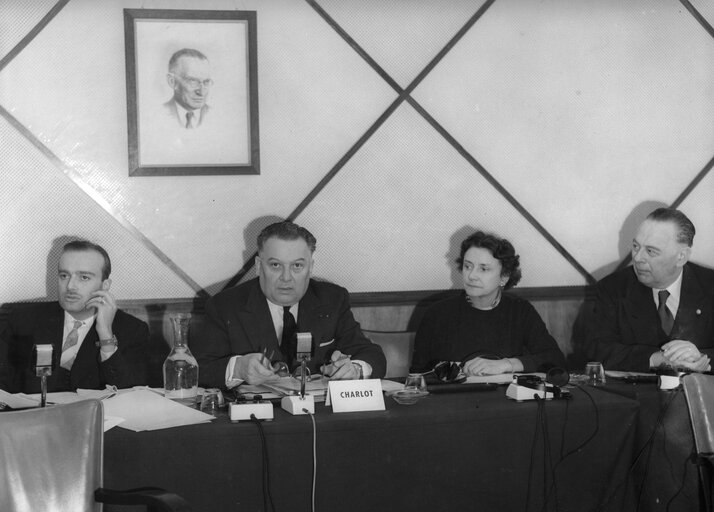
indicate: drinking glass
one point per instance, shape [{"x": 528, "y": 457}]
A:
[
  {"x": 595, "y": 373},
  {"x": 415, "y": 382},
  {"x": 211, "y": 402}
]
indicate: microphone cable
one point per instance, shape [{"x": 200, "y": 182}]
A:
[
  {"x": 536, "y": 431},
  {"x": 314, "y": 456},
  {"x": 547, "y": 462},
  {"x": 659, "y": 424},
  {"x": 687, "y": 461},
  {"x": 647, "y": 446},
  {"x": 267, "y": 497},
  {"x": 580, "y": 446}
]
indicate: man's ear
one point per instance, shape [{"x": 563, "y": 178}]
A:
[
  {"x": 683, "y": 256},
  {"x": 309, "y": 267},
  {"x": 106, "y": 284},
  {"x": 257, "y": 265}
]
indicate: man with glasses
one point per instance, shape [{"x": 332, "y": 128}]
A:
[{"x": 190, "y": 78}]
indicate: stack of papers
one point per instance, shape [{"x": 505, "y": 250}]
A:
[
  {"x": 135, "y": 409},
  {"x": 286, "y": 386},
  {"x": 143, "y": 409}
]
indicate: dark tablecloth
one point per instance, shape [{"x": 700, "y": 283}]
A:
[
  {"x": 462, "y": 451},
  {"x": 664, "y": 476}
]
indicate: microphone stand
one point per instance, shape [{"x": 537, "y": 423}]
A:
[
  {"x": 43, "y": 397},
  {"x": 302, "y": 403},
  {"x": 303, "y": 376},
  {"x": 43, "y": 369}
]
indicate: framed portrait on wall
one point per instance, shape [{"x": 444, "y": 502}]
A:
[{"x": 192, "y": 92}]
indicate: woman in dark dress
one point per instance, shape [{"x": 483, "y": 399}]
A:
[{"x": 482, "y": 328}]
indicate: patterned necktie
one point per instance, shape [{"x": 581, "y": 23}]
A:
[
  {"x": 73, "y": 336},
  {"x": 189, "y": 119},
  {"x": 665, "y": 315},
  {"x": 288, "y": 341}
]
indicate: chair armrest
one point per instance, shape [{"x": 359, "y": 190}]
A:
[{"x": 154, "y": 498}]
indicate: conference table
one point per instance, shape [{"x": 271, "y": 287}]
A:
[{"x": 474, "y": 450}]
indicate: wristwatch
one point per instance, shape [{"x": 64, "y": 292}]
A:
[{"x": 109, "y": 342}]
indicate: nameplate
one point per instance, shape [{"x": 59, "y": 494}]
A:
[{"x": 355, "y": 395}]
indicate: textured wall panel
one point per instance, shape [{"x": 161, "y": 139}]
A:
[
  {"x": 419, "y": 199},
  {"x": 583, "y": 110},
  {"x": 405, "y": 35},
  {"x": 18, "y": 18},
  {"x": 43, "y": 208},
  {"x": 701, "y": 205},
  {"x": 705, "y": 8}
]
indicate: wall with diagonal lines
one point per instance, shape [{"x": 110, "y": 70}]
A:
[{"x": 389, "y": 128}]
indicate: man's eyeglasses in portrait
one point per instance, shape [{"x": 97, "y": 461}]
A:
[{"x": 194, "y": 83}]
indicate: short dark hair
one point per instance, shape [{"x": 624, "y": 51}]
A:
[
  {"x": 286, "y": 230},
  {"x": 185, "y": 52},
  {"x": 85, "y": 245},
  {"x": 685, "y": 228},
  {"x": 500, "y": 248}
]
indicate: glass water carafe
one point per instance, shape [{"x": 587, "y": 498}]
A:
[{"x": 180, "y": 367}]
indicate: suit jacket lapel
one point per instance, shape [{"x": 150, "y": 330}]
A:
[
  {"x": 691, "y": 305},
  {"x": 642, "y": 311},
  {"x": 311, "y": 318},
  {"x": 87, "y": 353},
  {"x": 255, "y": 318}
]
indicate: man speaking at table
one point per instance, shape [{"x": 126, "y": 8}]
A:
[
  {"x": 660, "y": 311},
  {"x": 94, "y": 343},
  {"x": 262, "y": 316}
]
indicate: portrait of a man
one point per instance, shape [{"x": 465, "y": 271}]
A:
[
  {"x": 192, "y": 92},
  {"x": 189, "y": 77}
]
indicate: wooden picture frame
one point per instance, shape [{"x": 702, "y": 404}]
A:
[{"x": 192, "y": 92}]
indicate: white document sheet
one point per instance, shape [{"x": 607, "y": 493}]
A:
[{"x": 142, "y": 409}]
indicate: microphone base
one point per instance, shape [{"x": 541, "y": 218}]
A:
[
  {"x": 295, "y": 404},
  {"x": 242, "y": 411},
  {"x": 544, "y": 392}
]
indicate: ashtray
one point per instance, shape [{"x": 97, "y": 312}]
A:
[{"x": 408, "y": 396}]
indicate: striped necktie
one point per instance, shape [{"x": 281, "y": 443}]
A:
[{"x": 73, "y": 336}]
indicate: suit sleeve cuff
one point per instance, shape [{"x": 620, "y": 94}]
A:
[
  {"x": 106, "y": 354},
  {"x": 366, "y": 368},
  {"x": 231, "y": 380}
]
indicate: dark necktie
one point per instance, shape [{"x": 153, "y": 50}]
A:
[
  {"x": 189, "y": 119},
  {"x": 665, "y": 315},
  {"x": 288, "y": 340}
]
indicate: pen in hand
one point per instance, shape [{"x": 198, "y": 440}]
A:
[
  {"x": 337, "y": 361},
  {"x": 266, "y": 359}
]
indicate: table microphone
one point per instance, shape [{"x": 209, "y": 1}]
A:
[
  {"x": 304, "y": 402},
  {"x": 42, "y": 356}
]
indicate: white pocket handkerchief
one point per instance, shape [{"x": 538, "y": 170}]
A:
[{"x": 327, "y": 342}]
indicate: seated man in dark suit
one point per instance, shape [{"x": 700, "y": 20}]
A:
[
  {"x": 660, "y": 311},
  {"x": 260, "y": 316},
  {"x": 94, "y": 343}
]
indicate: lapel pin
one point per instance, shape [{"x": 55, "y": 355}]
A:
[{"x": 699, "y": 311}]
